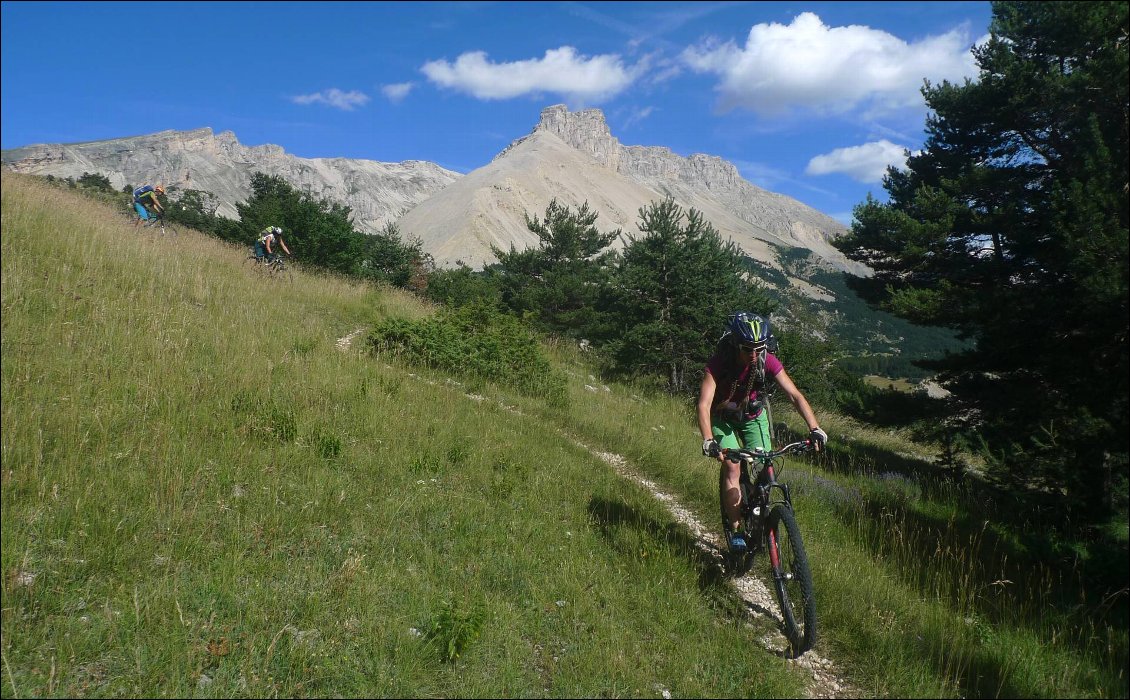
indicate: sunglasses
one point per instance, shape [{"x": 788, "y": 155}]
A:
[{"x": 750, "y": 348}]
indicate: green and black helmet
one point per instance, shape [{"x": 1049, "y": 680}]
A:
[{"x": 744, "y": 328}]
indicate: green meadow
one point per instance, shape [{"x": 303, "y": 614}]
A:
[{"x": 205, "y": 494}]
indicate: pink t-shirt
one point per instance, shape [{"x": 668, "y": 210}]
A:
[{"x": 721, "y": 367}]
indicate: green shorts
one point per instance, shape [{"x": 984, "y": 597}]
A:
[{"x": 752, "y": 433}]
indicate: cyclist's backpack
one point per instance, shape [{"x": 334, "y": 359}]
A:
[{"x": 142, "y": 190}]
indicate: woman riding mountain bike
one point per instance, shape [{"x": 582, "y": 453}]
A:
[{"x": 732, "y": 410}]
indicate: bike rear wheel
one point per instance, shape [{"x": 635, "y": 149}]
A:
[{"x": 792, "y": 579}]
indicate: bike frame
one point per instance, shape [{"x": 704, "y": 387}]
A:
[
  {"x": 762, "y": 488},
  {"x": 154, "y": 219}
]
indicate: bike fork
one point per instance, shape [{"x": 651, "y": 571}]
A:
[{"x": 774, "y": 554}]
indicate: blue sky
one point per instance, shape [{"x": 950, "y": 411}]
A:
[{"x": 808, "y": 99}]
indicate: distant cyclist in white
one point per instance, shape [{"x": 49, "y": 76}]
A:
[{"x": 264, "y": 244}]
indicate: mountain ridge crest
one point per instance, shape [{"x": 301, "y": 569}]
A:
[{"x": 461, "y": 222}]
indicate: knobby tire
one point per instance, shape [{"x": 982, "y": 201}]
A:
[{"x": 792, "y": 579}]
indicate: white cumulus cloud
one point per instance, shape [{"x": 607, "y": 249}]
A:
[
  {"x": 865, "y": 163},
  {"x": 561, "y": 71},
  {"x": 397, "y": 92},
  {"x": 333, "y": 98},
  {"x": 809, "y": 65}
]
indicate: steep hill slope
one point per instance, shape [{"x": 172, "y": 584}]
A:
[{"x": 203, "y": 498}]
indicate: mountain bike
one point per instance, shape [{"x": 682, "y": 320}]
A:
[
  {"x": 156, "y": 220},
  {"x": 273, "y": 266},
  {"x": 278, "y": 269},
  {"x": 768, "y": 521}
]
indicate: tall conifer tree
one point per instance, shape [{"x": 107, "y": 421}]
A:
[
  {"x": 1011, "y": 227},
  {"x": 557, "y": 283},
  {"x": 673, "y": 288}
]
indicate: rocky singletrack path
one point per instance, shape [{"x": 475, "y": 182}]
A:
[{"x": 825, "y": 680}]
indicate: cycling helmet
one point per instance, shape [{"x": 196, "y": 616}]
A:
[
  {"x": 159, "y": 189},
  {"x": 276, "y": 230},
  {"x": 744, "y": 328}
]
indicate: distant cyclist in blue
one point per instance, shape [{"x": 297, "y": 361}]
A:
[
  {"x": 145, "y": 201},
  {"x": 731, "y": 404}
]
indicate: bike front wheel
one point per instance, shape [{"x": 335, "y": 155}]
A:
[
  {"x": 792, "y": 579},
  {"x": 282, "y": 272}
]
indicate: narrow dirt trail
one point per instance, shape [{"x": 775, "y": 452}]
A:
[{"x": 824, "y": 680}]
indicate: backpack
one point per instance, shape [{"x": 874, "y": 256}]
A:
[{"x": 137, "y": 194}]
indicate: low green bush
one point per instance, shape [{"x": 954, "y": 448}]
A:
[{"x": 474, "y": 341}]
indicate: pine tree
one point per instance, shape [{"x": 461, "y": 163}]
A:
[
  {"x": 318, "y": 232},
  {"x": 671, "y": 291},
  {"x": 557, "y": 283},
  {"x": 1011, "y": 228}
]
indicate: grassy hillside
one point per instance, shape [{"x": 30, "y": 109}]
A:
[{"x": 203, "y": 495}]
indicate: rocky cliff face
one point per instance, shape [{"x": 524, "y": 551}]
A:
[
  {"x": 695, "y": 177},
  {"x": 377, "y": 192},
  {"x": 573, "y": 157}
]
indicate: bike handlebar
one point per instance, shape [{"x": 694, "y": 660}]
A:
[{"x": 790, "y": 449}]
